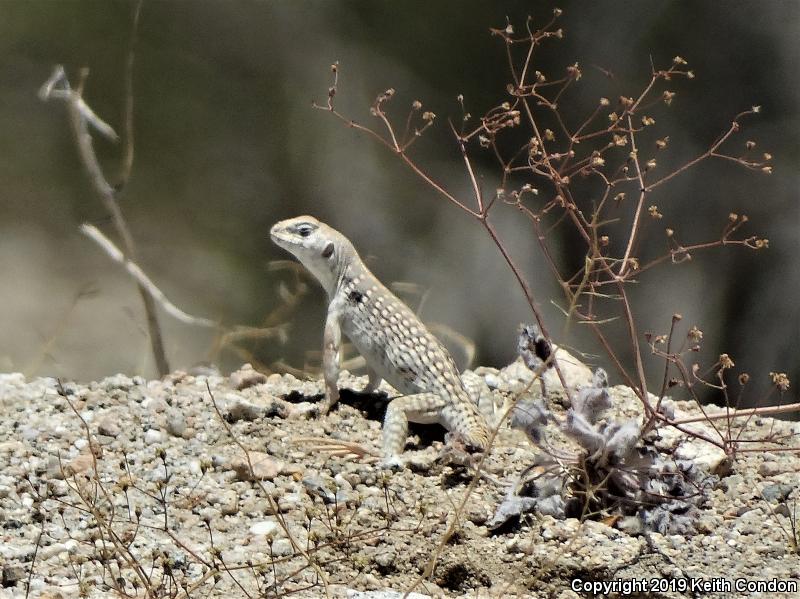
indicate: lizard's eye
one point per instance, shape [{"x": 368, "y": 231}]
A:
[{"x": 304, "y": 229}]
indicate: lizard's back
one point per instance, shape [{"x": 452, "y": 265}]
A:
[{"x": 392, "y": 339}]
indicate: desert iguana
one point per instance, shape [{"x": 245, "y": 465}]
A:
[{"x": 395, "y": 344}]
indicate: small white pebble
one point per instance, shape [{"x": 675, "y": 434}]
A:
[
  {"x": 266, "y": 528},
  {"x": 153, "y": 437}
]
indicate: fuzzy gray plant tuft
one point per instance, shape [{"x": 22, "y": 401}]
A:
[{"x": 615, "y": 472}]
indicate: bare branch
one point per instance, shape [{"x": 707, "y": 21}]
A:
[
  {"x": 57, "y": 86},
  {"x": 142, "y": 279}
]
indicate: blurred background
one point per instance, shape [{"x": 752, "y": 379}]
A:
[{"x": 227, "y": 143}]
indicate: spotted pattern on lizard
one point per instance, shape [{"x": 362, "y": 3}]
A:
[{"x": 395, "y": 344}]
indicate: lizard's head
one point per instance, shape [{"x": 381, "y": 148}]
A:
[{"x": 319, "y": 248}]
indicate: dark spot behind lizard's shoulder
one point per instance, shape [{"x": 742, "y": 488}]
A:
[{"x": 355, "y": 297}]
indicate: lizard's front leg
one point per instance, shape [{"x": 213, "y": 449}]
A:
[
  {"x": 331, "y": 359},
  {"x": 374, "y": 381}
]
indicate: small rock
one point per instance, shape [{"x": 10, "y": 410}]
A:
[
  {"x": 12, "y": 575},
  {"x": 477, "y": 515},
  {"x": 109, "y": 428},
  {"x": 82, "y": 463},
  {"x": 370, "y": 582},
  {"x": 246, "y": 377},
  {"x": 526, "y": 546},
  {"x": 301, "y": 410},
  {"x": 704, "y": 455},
  {"x": 209, "y": 514},
  {"x": 323, "y": 487},
  {"x": 253, "y": 506},
  {"x": 385, "y": 559},
  {"x": 342, "y": 483},
  {"x": 264, "y": 466},
  {"x": 290, "y": 502},
  {"x": 244, "y": 410},
  {"x": 56, "y": 487},
  {"x": 241, "y": 409},
  {"x": 353, "y": 478},
  {"x": 46, "y": 553},
  {"x": 275, "y": 379},
  {"x": 154, "y": 404},
  {"x": 777, "y": 492},
  {"x": 421, "y": 462},
  {"x": 282, "y": 548},
  {"x": 118, "y": 381},
  {"x": 732, "y": 485},
  {"x": 387, "y": 594},
  {"x": 631, "y": 525},
  {"x": 30, "y": 433},
  {"x": 266, "y": 528},
  {"x": 176, "y": 423},
  {"x": 153, "y": 437},
  {"x": 769, "y": 468},
  {"x": 229, "y": 503}
]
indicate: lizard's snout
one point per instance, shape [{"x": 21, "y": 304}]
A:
[
  {"x": 279, "y": 235},
  {"x": 273, "y": 232}
]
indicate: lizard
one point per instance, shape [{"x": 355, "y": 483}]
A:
[{"x": 395, "y": 344}]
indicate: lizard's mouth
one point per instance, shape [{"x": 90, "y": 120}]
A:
[{"x": 280, "y": 236}]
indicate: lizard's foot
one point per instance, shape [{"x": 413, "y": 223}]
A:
[
  {"x": 325, "y": 406},
  {"x": 373, "y": 383}
]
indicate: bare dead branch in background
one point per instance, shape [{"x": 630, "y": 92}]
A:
[
  {"x": 142, "y": 279},
  {"x": 81, "y": 119},
  {"x": 127, "y": 130}
]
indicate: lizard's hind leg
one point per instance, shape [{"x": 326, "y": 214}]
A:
[{"x": 423, "y": 408}]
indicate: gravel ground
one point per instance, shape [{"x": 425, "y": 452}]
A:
[{"x": 130, "y": 483}]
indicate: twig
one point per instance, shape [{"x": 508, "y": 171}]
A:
[
  {"x": 33, "y": 561},
  {"x": 639, "y": 205},
  {"x": 142, "y": 279},
  {"x": 127, "y": 132},
  {"x": 81, "y": 116},
  {"x": 745, "y": 413}
]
